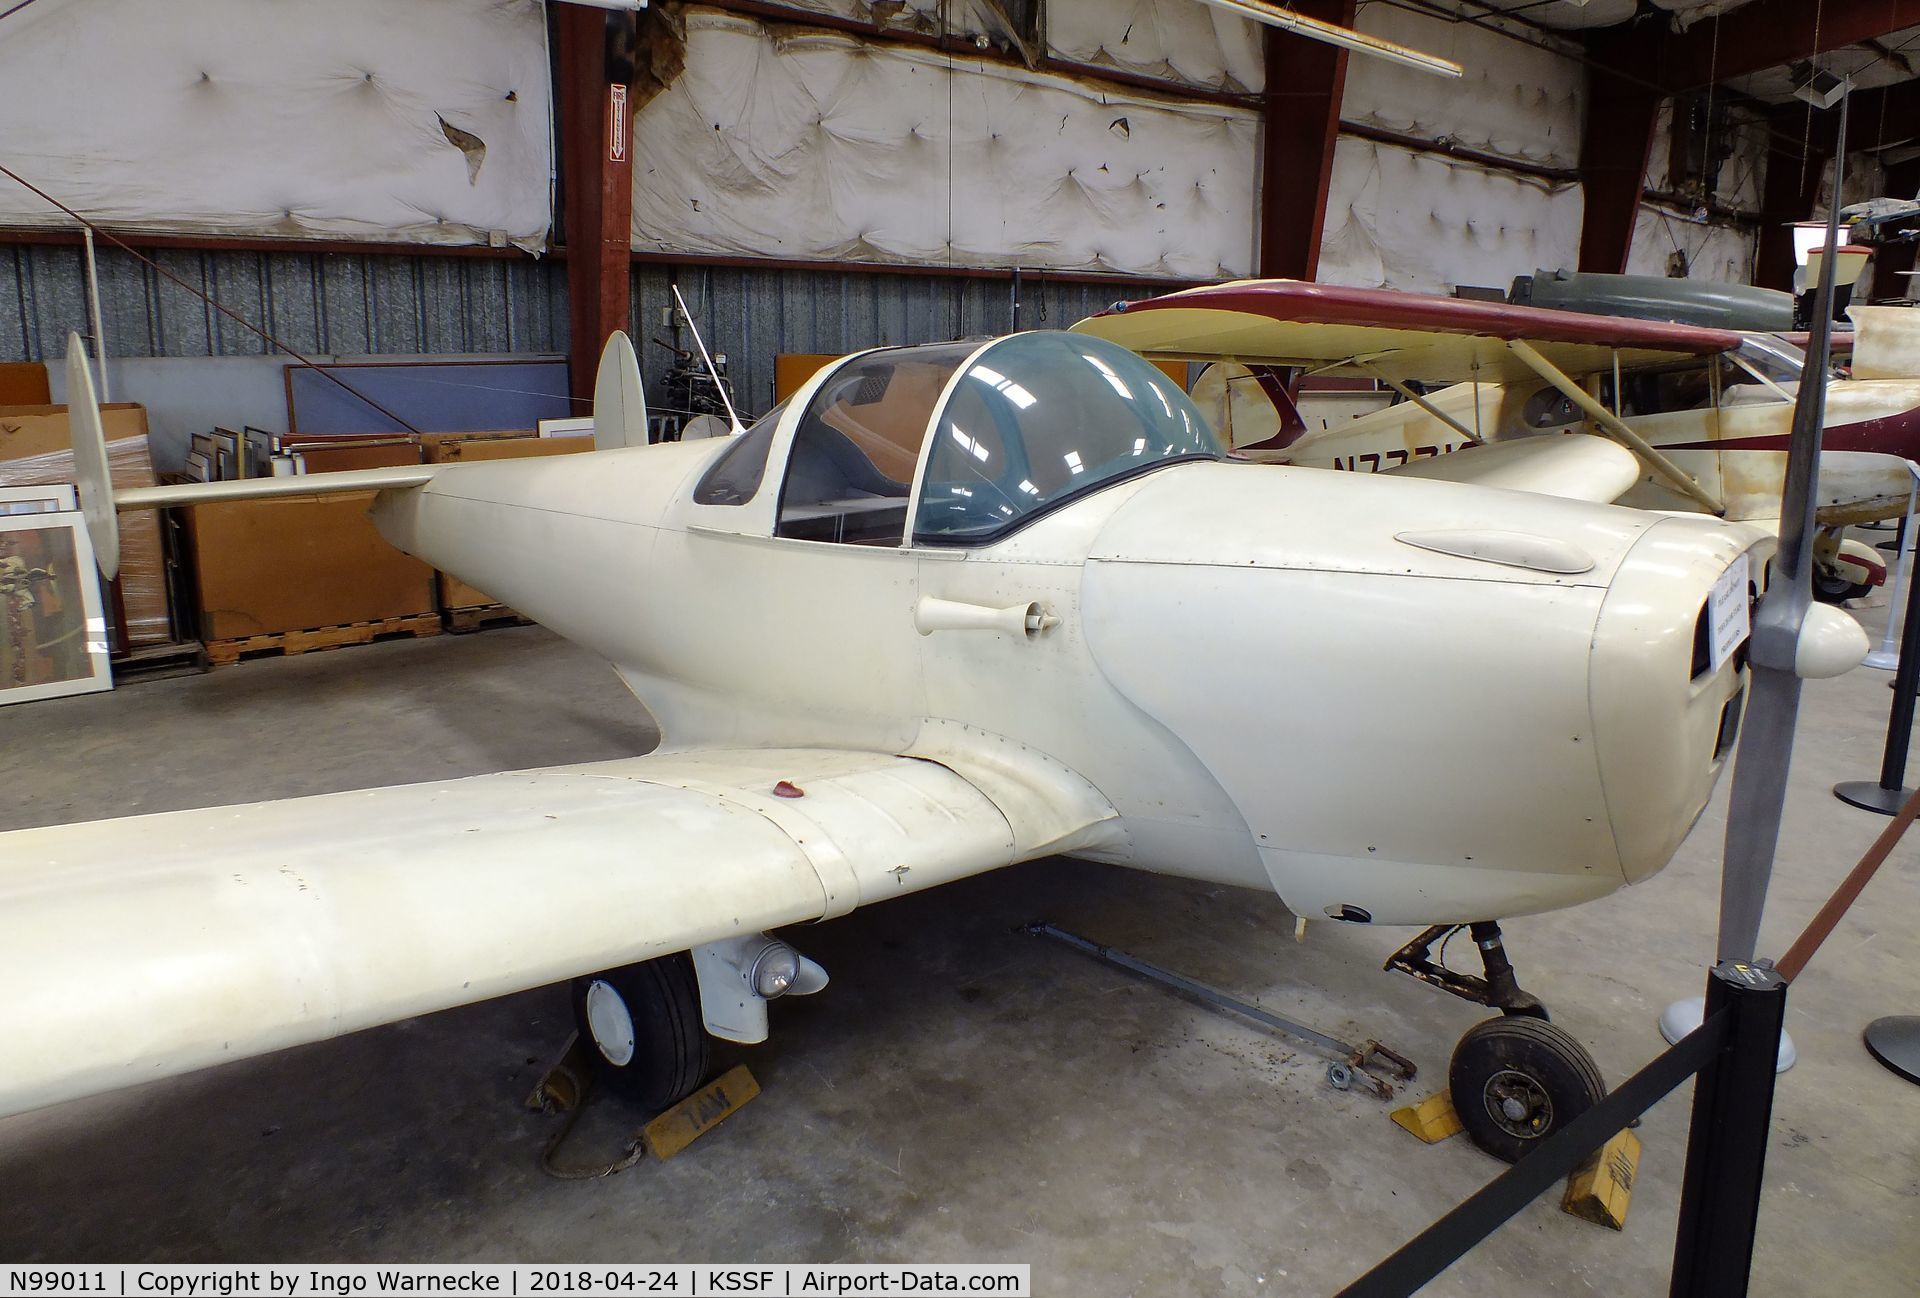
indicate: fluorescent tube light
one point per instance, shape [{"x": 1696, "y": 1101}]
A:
[{"x": 1287, "y": 20}]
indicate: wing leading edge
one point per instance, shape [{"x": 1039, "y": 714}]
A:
[{"x": 139, "y": 948}]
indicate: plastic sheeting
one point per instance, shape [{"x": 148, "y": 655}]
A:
[
  {"x": 1688, "y": 12},
  {"x": 1181, "y": 40},
  {"x": 1713, "y": 250},
  {"x": 1426, "y": 223},
  {"x": 422, "y": 122},
  {"x": 1738, "y": 185},
  {"x": 927, "y": 17},
  {"x": 817, "y": 146},
  {"x": 1568, "y": 16},
  {"x": 1516, "y": 100}
]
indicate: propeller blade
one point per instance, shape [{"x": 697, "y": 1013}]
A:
[{"x": 1766, "y": 742}]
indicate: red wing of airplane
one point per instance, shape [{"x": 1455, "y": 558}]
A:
[{"x": 1370, "y": 332}]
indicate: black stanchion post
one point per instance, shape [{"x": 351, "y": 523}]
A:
[
  {"x": 1888, "y": 795},
  {"x": 1727, "y": 1142}
]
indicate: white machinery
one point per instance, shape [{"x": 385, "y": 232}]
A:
[{"x": 949, "y": 608}]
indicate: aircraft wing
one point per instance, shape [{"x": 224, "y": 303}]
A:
[
  {"x": 1577, "y": 466},
  {"x": 138, "y": 948},
  {"x": 1364, "y": 333}
]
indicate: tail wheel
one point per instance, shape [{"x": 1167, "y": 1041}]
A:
[
  {"x": 645, "y": 1026},
  {"x": 1516, "y": 1080}
]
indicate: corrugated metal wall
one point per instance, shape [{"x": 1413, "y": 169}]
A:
[
  {"x": 350, "y": 304},
  {"x": 328, "y": 303},
  {"x": 753, "y": 315}
]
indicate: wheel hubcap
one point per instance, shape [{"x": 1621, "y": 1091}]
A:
[
  {"x": 1518, "y": 1104},
  {"x": 611, "y": 1024}
]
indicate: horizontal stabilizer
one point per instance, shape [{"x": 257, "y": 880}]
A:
[{"x": 296, "y": 485}]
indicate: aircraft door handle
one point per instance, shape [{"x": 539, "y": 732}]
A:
[{"x": 1024, "y": 620}]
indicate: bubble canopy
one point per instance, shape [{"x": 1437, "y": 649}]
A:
[
  {"x": 1037, "y": 419},
  {"x": 1001, "y": 434}
]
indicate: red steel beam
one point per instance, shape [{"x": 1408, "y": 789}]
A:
[
  {"x": 1761, "y": 35},
  {"x": 1788, "y": 195},
  {"x": 1300, "y": 123},
  {"x": 1615, "y": 143},
  {"x": 148, "y": 241},
  {"x": 594, "y": 51}
]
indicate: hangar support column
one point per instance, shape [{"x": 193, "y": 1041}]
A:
[
  {"x": 1299, "y": 127},
  {"x": 1615, "y": 143},
  {"x": 1791, "y": 188},
  {"x": 593, "y": 80}
]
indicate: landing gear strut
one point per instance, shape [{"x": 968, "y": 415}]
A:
[{"x": 1516, "y": 1079}]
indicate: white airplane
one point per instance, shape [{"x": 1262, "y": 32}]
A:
[
  {"x": 949, "y": 608},
  {"x": 1703, "y": 413}
]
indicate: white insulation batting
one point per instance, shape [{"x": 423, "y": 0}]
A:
[
  {"x": 1179, "y": 40},
  {"x": 422, "y": 122},
  {"x": 1713, "y": 250},
  {"x": 816, "y": 146},
  {"x": 1426, "y": 223},
  {"x": 1516, "y": 100},
  {"x": 926, "y": 17}
]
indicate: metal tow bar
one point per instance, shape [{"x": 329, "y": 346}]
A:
[{"x": 1350, "y": 1064}]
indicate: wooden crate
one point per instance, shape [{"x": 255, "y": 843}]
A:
[
  {"x": 222, "y": 653},
  {"x": 271, "y": 567}
]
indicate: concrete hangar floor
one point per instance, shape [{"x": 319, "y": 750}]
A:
[{"x": 961, "y": 1092}]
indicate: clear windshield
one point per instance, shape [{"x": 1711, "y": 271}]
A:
[
  {"x": 1040, "y": 418},
  {"x": 735, "y": 476}
]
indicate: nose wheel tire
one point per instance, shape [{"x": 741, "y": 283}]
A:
[
  {"x": 644, "y": 1024},
  {"x": 1516, "y": 1080}
]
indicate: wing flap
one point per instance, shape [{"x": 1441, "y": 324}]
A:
[{"x": 139, "y": 948}]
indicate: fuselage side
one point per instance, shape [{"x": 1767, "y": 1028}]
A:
[{"x": 1272, "y": 690}]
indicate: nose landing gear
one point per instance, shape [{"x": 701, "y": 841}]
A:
[{"x": 1516, "y": 1079}]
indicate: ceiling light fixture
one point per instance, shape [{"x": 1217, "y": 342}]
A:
[
  {"x": 1817, "y": 86},
  {"x": 1287, "y": 20}
]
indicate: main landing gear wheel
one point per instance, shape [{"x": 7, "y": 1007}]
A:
[
  {"x": 645, "y": 1026},
  {"x": 1516, "y": 1080},
  {"x": 1831, "y": 588}
]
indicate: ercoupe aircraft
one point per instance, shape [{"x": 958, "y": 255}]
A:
[
  {"x": 1702, "y": 414},
  {"x": 949, "y": 608}
]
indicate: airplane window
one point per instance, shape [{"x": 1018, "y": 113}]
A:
[
  {"x": 734, "y": 478},
  {"x": 851, "y": 467},
  {"x": 1040, "y": 418}
]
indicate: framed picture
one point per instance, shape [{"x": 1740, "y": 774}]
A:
[
  {"x": 48, "y": 499},
  {"x": 53, "y": 637}
]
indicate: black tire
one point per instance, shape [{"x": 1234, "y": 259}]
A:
[
  {"x": 665, "y": 1058},
  {"x": 1516, "y": 1080},
  {"x": 1831, "y": 588}
]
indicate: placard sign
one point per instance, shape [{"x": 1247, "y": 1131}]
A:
[{"x": 1727, "y": 614}]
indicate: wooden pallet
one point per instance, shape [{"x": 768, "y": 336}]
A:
[
  {"x": 222, "y": 653},
  {"x": 462, "y": 621}
]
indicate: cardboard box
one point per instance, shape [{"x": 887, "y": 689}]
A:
[
  {"x": 36, "y": 446},
  {"x": 292, "y": 564},
  {"x": 24, "y": 383},
  {"x": 457, "y": 448}
]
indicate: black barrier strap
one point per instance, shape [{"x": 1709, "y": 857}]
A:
[{"x": 1442, "y": 1244}]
